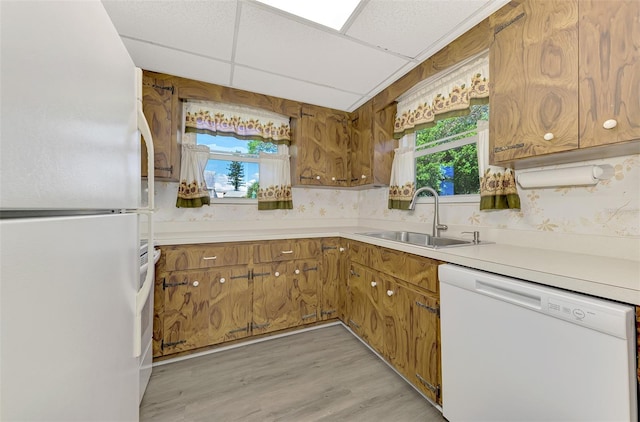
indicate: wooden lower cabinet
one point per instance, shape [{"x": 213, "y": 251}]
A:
[
  {"x": 425, "y": 345},
  {"x": 284, "y": 295},
  {"x": 333, "y": 280}
]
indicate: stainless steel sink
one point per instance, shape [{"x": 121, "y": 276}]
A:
[{"x": 421, "y": 239}]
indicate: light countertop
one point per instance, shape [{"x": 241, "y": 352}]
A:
[{"x": 606, "y": 277}]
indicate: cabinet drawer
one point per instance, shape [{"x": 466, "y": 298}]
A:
[
  {"x": 414, "y": 269},
  {"x": 285, "y": 250},
  {"x": 188, "y": 257}
]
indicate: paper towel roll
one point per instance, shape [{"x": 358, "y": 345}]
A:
[{"x": 570, "y": 176}]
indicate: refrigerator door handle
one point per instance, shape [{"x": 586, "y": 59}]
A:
[{"x": 145, "y": 290}]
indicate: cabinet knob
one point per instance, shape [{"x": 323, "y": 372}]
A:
[
  {"x": 548, "y": 136},
  {"x": 222, "y": 280},
  {"x": 333, "y": 179},
  {"x": 374, "y": 284},
  {"x": 341, "y": 249},
  {"x": 389, "y": 293},
  {"x": 317, "y": 177},
  {"x": 196, "y": 283},
  {"x": 610, "y": 124},
  {"x": 277, "y": 274},
  {"x": 364, "y": 176},
  {"x": 297, "y": 271}
]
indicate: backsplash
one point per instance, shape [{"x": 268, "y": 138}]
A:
[{"x": 610, "y": 209}]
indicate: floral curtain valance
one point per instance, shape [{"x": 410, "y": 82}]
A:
[
  {"x": 274, "y": 192},
  {"x": 240, "y": 121},
  {"x": 443, "y": 95}
]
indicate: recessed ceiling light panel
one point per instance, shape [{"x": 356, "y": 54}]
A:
[{"x": 331, "y": 13}]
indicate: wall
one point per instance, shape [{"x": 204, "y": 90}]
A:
[{"x": 602, "y": 220}]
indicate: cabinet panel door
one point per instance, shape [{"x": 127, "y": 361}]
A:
[
  {"x": 229, "y": 304},
  {"x": 534, "y": 81},
  {"x": 374, "y": 321},
  {"x": 304, "y": 276},
  {"x": 357, "y": 298},
  {"x": 609, "y": 71},
  {"x": 272, "y": 305},
  {"x": 333, "y": 285},
  {"x": 311, "y": 162},
  {"x": 426, "y": 350},
  {"x": 361, "y": 146},
  {"x": 159, "y": 105},
  {"x": 186, "y": 311},
  {"x": 397, "y": 325}
]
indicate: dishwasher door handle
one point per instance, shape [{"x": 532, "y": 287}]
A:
[{"x": 507, "y": 294}]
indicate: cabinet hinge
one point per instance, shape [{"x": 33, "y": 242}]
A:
[
  {"x": 253, "y": 275},
  {"x": 353, "y": 323},
  {"x": 310, "y": 269},
  {"x": 428, "y": 308},
  {"x": 165, "y": 285},
  {"x": 354, "y": 273},
  {"x": 238, "y": 330},
  {"x": 171, "y": 343},
  {"x": 169, "y": 169},
  {"x": 506, "y": 24},
  {"x": 307, "y": 114},
  {"x": 508, "y": 147},
  {"x": 434, "y": 388},
  {"x": 329, "y": 312},
  {"x": 164, "y": 88},
  {"x": 308, "y": 316},
  {"x": 307, "y": 178},
  {"x": 255, "y": 326},
  {"x": 247, "y": 275}
]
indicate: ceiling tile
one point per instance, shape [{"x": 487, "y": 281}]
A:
[
  {"x": 282, "y": 46},
  {"x": 174, "y": 62},
  {"x": 410, "y": 26},
  {"x": 202, "y": 27},
  {"x": 279, "y": 86}
]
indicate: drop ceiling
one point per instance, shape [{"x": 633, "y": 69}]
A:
[{"x": 247, "y": 45}]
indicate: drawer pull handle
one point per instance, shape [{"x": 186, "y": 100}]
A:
[
  {"x": 548, "y": 136},
  {"x": 389, "y": 293},
  {"x": 610, "y": 124},
  {"x": 374, "y": 284},
  {"x": 222, "y": 280},
  {"x": 196, "y": 283},
  {"x": 286, "y": 252},
  {"x": 206, "y": 258}
]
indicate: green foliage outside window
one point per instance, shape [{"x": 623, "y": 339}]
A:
[{"x": 457, "y": 166}]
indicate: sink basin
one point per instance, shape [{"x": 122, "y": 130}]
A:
[{"x": 421, "y": 239}]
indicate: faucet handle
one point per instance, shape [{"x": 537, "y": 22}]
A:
[{"x": 476, "y": 236}]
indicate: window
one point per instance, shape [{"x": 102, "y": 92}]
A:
[
  {"x": 233, "y": 170},
  {"x": 446, "y": 154}
]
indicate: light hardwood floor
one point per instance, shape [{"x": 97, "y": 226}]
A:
[{"x": 320, "y": 375}]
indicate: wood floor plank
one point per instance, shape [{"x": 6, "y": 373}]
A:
[{"x": 320, "y": 375}]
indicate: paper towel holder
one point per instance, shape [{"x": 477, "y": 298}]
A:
[{"x": 588, "y": 175}]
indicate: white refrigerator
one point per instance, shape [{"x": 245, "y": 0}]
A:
[{"x": 70, "y": 215}]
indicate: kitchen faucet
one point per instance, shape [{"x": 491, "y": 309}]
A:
[{"x": 437, "y": 227}]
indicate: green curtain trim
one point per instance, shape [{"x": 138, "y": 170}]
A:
[
  {"x": 275, "y": 205},
  {"x": 397, "y": 204},
  {"x": 438, "y": 117},
  {"x": 235, "y": 135},
  {"x": 500, "y": 202},
  {"x": 193, "y": 203}
]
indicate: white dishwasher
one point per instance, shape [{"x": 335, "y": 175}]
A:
[{"x": 519, "y": 351}]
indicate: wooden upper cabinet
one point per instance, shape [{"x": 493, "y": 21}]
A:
[
  {"x": 322, "y": 146},
  {"x": 609, "y": 71},
  {"x": 534, "y": 85},
  {"x": 372, "y": 145},
  {"x": 161, "y": 108}
]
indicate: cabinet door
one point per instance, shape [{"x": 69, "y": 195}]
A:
[
  {"x": 305, "y": 278},
  {"x": 333, "y": 283},
  {"x": 425, "y": 355},
  {"x": 361, "y": 146},
  {"x": 357, "y": 298},
  {"x": 374, "y": 322},
  {"x": 322, "y": 147},
  {"x": 229, "y": 304},
  {"x": 159, "y": 106},
  {"x": 272, "y": 307},
  {"x": 397, "y": 325},
  {"x": 534, "y": 81},
  {"x": 186, "y": 311},
  {"x": 609, "y": 71}
]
